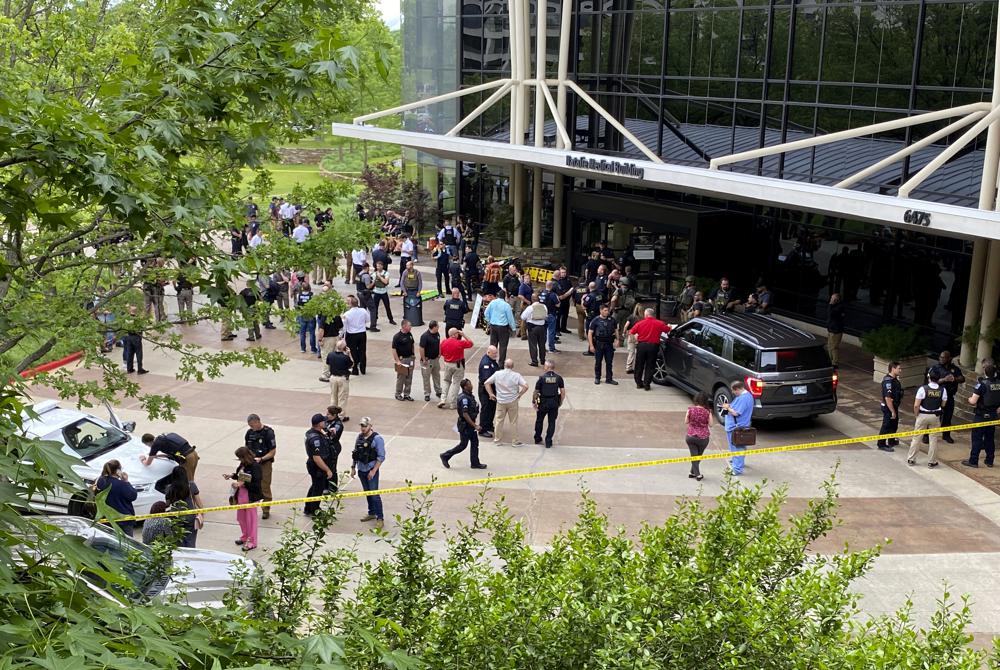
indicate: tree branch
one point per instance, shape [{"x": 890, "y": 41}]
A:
[{"x": 34, "y": 356}]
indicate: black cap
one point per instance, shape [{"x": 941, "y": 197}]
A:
[{"x": 318, "y": 418}]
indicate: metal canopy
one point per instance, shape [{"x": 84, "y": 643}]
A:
[{"x": 939, "y": 218}]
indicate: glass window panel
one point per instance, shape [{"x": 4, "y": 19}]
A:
[
  {"x": 808, "y": 42},
  {"x": 753, "y": 44}
]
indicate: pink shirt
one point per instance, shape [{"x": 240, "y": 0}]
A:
[{"x": 698, "y": 418}]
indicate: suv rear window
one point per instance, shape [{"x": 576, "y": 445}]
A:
[{"x": 794, "y": 360}]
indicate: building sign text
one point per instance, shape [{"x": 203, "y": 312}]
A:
[{"x": 606, "y": 166}]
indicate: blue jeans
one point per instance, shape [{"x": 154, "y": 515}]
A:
[
  {"x": 307, "y": 326},
  {"x": 550, "y": 327},
  {"x": 374, "y": 502},
  {"x": 736, "y": 462}
]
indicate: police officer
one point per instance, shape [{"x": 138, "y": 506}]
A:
[
  {"x": 321, "y": 464},
  {"x": 603, "y": 338},
  {"x": 550, "y": 391},
  {"x": 455, "y": 309},
  {"x": 591, "y": 302},
  {"x": 259, "y": 439},
  {"x": 547, "y": 296},
  {"x": 986, "y": 399},
  {"x": 686, "y": 299},
  {"x": 928, "y": 405},
  {"x": 951, "y": 376},
  {"x": 489, "y": 364},
  {"x": 367, "y": 459},
  {"x": 468, "y": 429},
  {"x": 334, "y": 429},
  {"x": 892, "y": 396}
]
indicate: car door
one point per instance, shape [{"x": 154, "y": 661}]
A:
[
  {"x": 682, "y": 346},
  {"x": 707, "y": 364}
]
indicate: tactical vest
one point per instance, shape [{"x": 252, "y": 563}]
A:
[
  {"x": 604, "y": 329},
  {"x": 932, "y": 402},
  {"x": 411, "y": 279},
  {"x": 550, "y": 385},
  {"x": 991, "y": 401},
  {"x": 303, "y": 297},
  {"x": 449, "y": 237},
  {"x": 325, "y": 451},
  {"x": 364, "y": 448},
  {"x": 721, "y": 300},
  {"x": 473, "y": 409}
]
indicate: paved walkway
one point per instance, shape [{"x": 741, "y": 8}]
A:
[{"x": 943, "y": 525}]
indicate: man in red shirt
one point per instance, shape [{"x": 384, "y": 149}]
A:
[
  {"x": 648, "y": 332},
  {"x": 453, "y": 369}
]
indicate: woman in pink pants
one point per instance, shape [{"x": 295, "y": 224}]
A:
[{"x": 246, "y": 489}]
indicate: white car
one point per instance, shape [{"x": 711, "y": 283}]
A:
[
  {"x": 202, "y": 576},
  {"x": 95, "y": 442}
]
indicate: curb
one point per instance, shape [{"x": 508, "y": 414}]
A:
[{"x": 51, "y": 365}]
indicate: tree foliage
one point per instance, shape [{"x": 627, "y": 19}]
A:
[{"x": 385, "y": 187}]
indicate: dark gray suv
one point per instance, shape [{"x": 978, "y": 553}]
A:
[{"x": 787, "y": 370}]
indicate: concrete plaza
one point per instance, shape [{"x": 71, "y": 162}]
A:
[{"x": 944, "y": 526}]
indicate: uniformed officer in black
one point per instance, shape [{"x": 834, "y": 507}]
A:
[
  {"x": 334, "y": 429},
  {"x": 489, "y": 364},
  {"x": 468, "y": 429},
  {"x": 550, "y": 391},
  {"x": 951, "y": 376},
  {"x": 319, "y": 451},
  {"x": 892, "y": 396},
  {"x": 986, "y": 399},
  {"x": 603, "y": 336},
  {"x": 455, "y": 309},
  {"x": 259, "y": 439}
]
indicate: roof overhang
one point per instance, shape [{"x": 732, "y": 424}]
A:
[{"x": 918, "y": 215}]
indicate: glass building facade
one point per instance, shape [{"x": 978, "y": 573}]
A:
[{"x": 697, "y": 79}]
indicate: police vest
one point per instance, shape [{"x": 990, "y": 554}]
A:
[
  {"x": 990, "y": 401},
  {"x": 303, "y": 297},
  {"x": 364, "y": 448},
  {"x": 721, "y": 300},
  {"x": 411, "y": 279},
  {"x": 932, "y": 402},
  {"x": 325, "y": 453},
  {"x": 604, "y": 329},
  {"x": 259, "y": 441},
  {"x": 454, "y": 309},
  {"x": 550, "y": 385},
  {"x": 592, "y": 302},
  {"x": 362, "y": 282},
  {"x": 449, "y": 237},
  {"x": 472, "y": 409}
]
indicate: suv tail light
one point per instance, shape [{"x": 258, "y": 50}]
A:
[
  {"x": 755, "y": 386},
  {"x": 835, "y": 380}
]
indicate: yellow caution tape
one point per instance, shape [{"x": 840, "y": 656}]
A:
[{"x": 483, "y": 481}]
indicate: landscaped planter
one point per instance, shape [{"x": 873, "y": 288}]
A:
[{"x": 914, "y": 368}]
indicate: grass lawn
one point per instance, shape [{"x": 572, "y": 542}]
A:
[{"x": 285, "y": 177}]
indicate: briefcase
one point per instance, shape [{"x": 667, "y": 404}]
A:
[{"x": 744, "y": 437}]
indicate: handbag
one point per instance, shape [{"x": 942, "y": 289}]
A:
[{"x": 744, "y": 437}]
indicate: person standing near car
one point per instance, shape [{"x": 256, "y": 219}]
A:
[
  {"x": 320, "y": 464},
  {"x": 738, "y": 413},
  {"x": 892, "y": 397},
  {"x": 603, "y": 337},
  {"x": 647, "y": 333},
  {"x": 174, "y": 447},
  {"x": 260, "y": 440},
  {"x": 245, "y": 482},
  {"x": 468, "y": 429},
  {"x": 366, "y": 461},
  {"x": 697, "y": 420},
  {"x": 132, "y": 345},
  {"x": 986, "y": 399},
  {"x": 835, "y": 328},
  {"x": 950, "y": 376},
  {"x": 121, "y": 494}
]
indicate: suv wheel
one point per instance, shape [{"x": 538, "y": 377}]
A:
[
  {"x": 660, "y": 373},
  {"x": 722, "y": 396},
  {"x": 80, "y": 506}
]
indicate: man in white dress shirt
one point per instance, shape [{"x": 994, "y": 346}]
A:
[{"x": 356, "y": 322}]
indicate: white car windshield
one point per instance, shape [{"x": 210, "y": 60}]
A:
[{"x": 90, "y": 439}]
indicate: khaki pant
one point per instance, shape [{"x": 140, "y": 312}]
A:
[
  {"x": 404, "y": 380},
  {"x": 340, "y": 391},
  {"x": 265, "y": 481},
  {"x": 506, "y": 413},
  {"x": 925, "y": 421},
  {"x": 833, "y": 347},
  {"x": 190, "y": 464},
  {"x": 431, "y": 371},
  {"x": 453, "y": 376},
  {"x": 630, "y": 347},
  {"x": 581, "y": 319}
]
